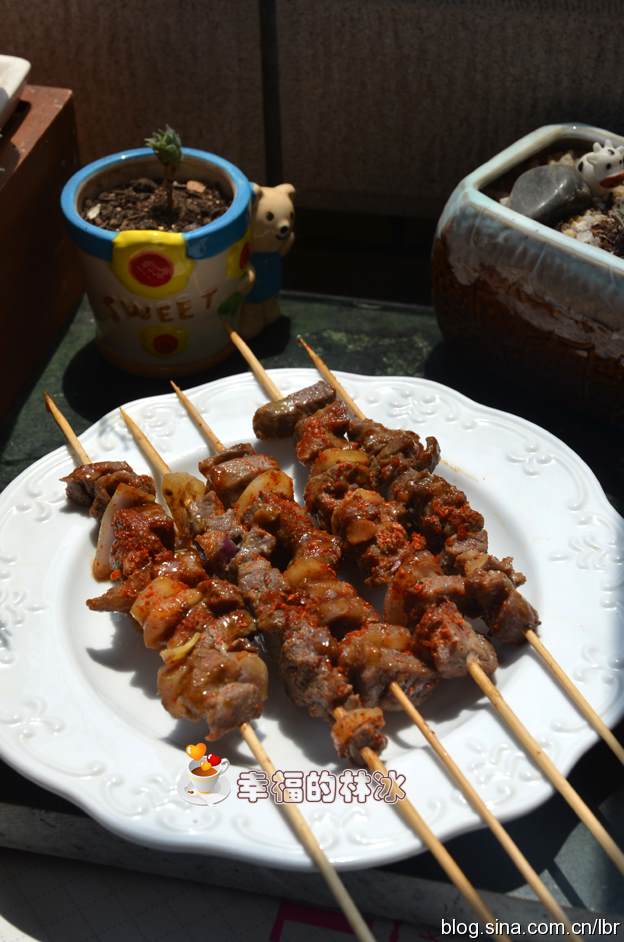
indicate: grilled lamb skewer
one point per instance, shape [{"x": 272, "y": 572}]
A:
[
  {"x": 157, "y": 585},
  {"x": 443, "y": 515},
  {"x": 309, "y": 570},
  {"x": 297, "y": 610},
  {"x": 360, "y": 645},
  {"x": 575, "y": 695},
  {"x": 212, "y": 669},
  {"x": 293, "y": 626},
  {"x": 337, "y": 608},
  {"x": 213, "y": 530},
  {"x": 298, "y": 822},
  {"x": 421, "y": 595},
  {"x": 397, "y": 464}
]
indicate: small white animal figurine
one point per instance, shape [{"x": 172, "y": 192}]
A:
[
  {"x": 272, "y": 236},
  {"x": 602, "y": 167}
]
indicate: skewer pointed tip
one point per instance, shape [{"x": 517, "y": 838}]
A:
[
  {"x": 70, "y": 436},
  {"x": 333, "y": 381},
  {"x": 175, "y": 388}
]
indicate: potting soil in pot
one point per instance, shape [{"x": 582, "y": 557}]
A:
[{"x": 142, "y": 204}]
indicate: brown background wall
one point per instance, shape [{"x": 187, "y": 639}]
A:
[
  {"x": 383, "y": 104},
  {"x": 135, "y": 65},
  {"x": 374, "y": 109},
  {"x": 374, "y": 105},
  {"x": 388, "y": 103}
]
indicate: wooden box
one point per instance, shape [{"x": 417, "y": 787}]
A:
[{"x": 40, "y": 280}]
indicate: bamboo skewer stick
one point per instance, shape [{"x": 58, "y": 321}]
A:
[
  {"x": 71, "y": 437},
  {"x": 546, "y": 765},
  {"x": 296, "y": 819},
  {"x": 404, "y": 806},
  {"x": 583, "y": 705},
  {"x": 468, "y": 790},
  {"x": 205, "y": 429},
  {"x": 255, "y": 365},
  {"x": 557, "y": 671},
  {"x": 471, "y": 794},
  {"x": 333, "y": 381}
]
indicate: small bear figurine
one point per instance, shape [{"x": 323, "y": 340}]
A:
[
  {"x": 272, "y": 236},
  {"x": 602, "y": 167}
]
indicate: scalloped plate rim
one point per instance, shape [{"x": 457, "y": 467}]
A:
[{"x": 583, "y": 739}]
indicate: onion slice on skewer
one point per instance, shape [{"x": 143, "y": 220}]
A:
[{"x": 125, "y": 496}]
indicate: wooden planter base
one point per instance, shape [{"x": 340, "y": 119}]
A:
[{"x": 40, "y": 281}]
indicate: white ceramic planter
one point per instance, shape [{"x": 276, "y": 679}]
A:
[
  {"x": 159, "y": 298},
  {"x": 13, "y": 74},
  {"x": 526, "y": 296}
]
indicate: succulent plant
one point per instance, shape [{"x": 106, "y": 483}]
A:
[{"x": 168, "y": 148}]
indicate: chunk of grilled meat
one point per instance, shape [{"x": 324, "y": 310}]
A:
[
  {"x": 444, "y": 639},
  {"x": 492, "y": 595},
  {"x": 263, "y": 588},
  {"x": 122, "y": 594},
  {"x": 338, "y": 605},
  {"x": 92, "y": 485},
  {"x": 324, "y": 429},
  {"x": 141, "y": 535},
  {"x": 393, "y": 451},
  {"x": 278, "y": 419},
  {"x": 185, "y": 566},
  {"x": 356, "y": 729},
  {"x": 429, "y": 601},
  {"x": 212, "y": 670},
  {"x": 160, "y": 607},
  {"x": 372, "y": 533},
  {"x": 327, "y": 488},
  {"x": 232, "y": 470},
  {"x": 293, "y": 528},
  {"x": 419, "y": 583},
  {"x": 223, "y": 690},
  {"x": 376, "y": 656},
  {"x": 208, "y": 513},
  {"x": 452, "y": 527},
  {"x": 308, "y": 655},
  {"x": 435, "y": 507},
  {"x": 220, "y": 678}
]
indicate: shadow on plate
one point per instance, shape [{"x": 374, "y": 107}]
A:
[{"x": 127, "y": 654}]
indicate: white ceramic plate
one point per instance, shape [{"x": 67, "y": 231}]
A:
[{"x": 79, "y": 713}]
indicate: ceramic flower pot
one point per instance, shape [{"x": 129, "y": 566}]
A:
[
  {"x": 526, "y": 298},
  {"x": 159, "y": 298}
]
